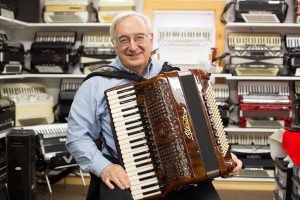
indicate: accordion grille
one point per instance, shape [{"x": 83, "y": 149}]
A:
[{"x": 162, "y": 111}]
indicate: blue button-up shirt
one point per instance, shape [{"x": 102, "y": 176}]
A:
[{"x": 89, "y": 115}]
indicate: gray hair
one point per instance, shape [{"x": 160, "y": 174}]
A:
[{"x": 125, "y": 14}]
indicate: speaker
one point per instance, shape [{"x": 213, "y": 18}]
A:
[
  {"x": 20, "y": 148},
  {"x": 27, "y": 10}
]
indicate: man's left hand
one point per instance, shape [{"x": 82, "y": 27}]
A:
[{"x": 236, "y": 170}]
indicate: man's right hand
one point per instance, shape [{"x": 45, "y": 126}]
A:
[{"x": 114, "y": 173}]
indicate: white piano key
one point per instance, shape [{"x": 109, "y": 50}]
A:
[
  {"x": 140, "y": 170},
  {"x": 130, "y": 146},
  {"x": 130, "y": 164},
  {"x": 126, "y": 139},
  {"x": 124, "y": 123},
  {"x": 142, "y": 176},
  {"x": 133, "y": 140},
  {"x": 123, "y": 106},
  {"x": 128, "y": 118},
  {"x": 140, "y": 196},
  {"x": 144, "y": 182},
  {"x": 114, "y": 92},
  {"x": 134, "y": 168},
  {"x": 132, "y": 159},
  {"x": 129, "y": 126},
  {"x": 128, "y": 132},
  {"x": 141, "y": 191},
  {"x": 136, "y": 171},
  {"x": 120, "y": 95},
  {"x": 127, "y": 112},
  {"x": 129, "y": 150},
  {"x": 115, "y": 102},
  {"x": 136, "y": 151}
]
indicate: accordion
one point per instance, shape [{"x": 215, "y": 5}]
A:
[
  {"x": 51, "y": 52},
  {"x": 260, "y": 11},
  {"x": 68, "y": 88},
  {"x": 255, "y": 54},
  {"x": 51, "y": 141},
  {"x": 264, "y": 104},
  {"x": 65, "y": 11},
  {"x": 32, "y": 104},
  {"x": 108, "y": 9},
  {"x": 96, "y": 51},
  {"x": 12, "y": 55},
  {"x": 292, "y": 57},
  {"x": 168, "y": 132}
]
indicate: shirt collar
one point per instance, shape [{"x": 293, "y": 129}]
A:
[{"x": 117, "y": 63}]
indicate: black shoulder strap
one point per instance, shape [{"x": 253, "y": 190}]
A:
[{"x": 113, "y": 72}]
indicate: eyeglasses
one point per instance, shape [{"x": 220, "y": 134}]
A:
[{"x": 124, "y": 41}]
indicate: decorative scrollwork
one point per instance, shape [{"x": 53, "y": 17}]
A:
[{"x": 186, "y": 126}]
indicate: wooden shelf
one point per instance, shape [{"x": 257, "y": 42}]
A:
[
  {"x": 234, "y": 25},
  {"x": 269, "y": 78},
  {"x": 232, "y": 128},
  {"x": 275, "y": 78},
  {"x": 16, "y": 24},
  {"x": 244, "y": 184},
  {"x": 22, "y": 76}
]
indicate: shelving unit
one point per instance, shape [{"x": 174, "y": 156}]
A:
[
  {"x": 288, "y": 27},
  {"x": 24, "y": 32}
]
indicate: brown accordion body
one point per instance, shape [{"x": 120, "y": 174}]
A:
[{"x": 168, "y": 132}]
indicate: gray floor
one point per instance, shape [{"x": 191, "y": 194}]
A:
[
  {"x": 60, "y": 192},
  {"x": 76, "y": 192}
]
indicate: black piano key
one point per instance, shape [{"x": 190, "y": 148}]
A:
[
  {"x": 127, "y": 101},
  {"x": 135, "y": 132},
  {"x": 129, "y": 108},
  {"x": 151, "y": 191},
  {"x": 126, "y": 95},
  {"x": 145, "y": 172},
  {"x": 143, "y": 164},
  {"x": 124, "y": 90},
  {"x": 137, "y": 140},
  {"x": 141, "y": 159},
  {"x": 133, "y": 121},
  {"x": 148, "y": 186},
  {"x": 148, "y": 177},
  {"x": 141, "y": 153},
  {"x": 139, "y": 145},
  {"x": 133, "y": 127}
]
